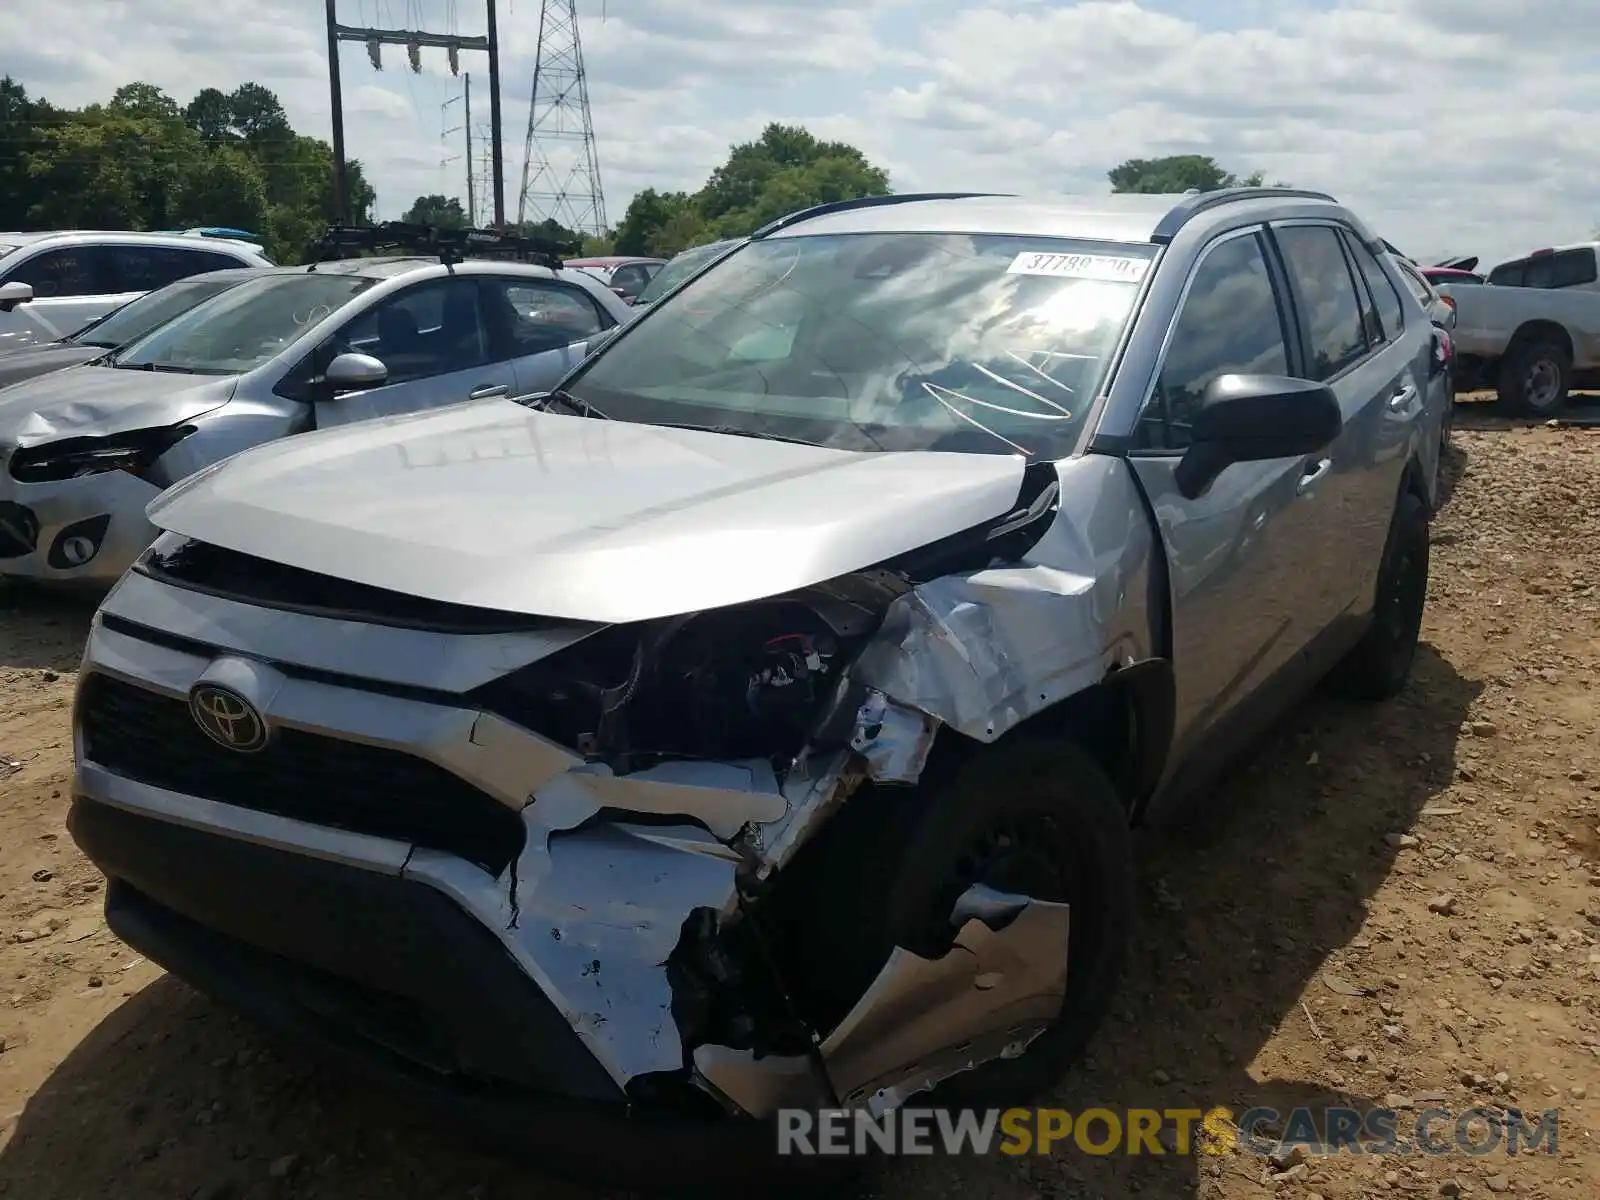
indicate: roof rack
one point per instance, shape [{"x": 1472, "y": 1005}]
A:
[
  {"x": 1193, "y": 205},
  {"x": 450, "y": 246},
  {"x": 822, "y": 210}
]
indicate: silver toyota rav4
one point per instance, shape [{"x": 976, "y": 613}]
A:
[{"x": 758, "y": 719}]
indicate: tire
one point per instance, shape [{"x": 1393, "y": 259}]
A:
[
  {"x": 1379, "y": 665},
  {"x": 1534, "y": 377},
  {"x": 1012, "y": 817}
]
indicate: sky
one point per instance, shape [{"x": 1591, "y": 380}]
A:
[{"x": 1459, "y": 127}]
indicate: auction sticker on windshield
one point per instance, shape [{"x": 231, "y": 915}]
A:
[{"x": 1105, "y": 267}]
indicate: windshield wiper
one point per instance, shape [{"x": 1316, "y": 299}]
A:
[
  {"x": 87, "y": 342},
  {"x": 581, "y": 408},
  {"x": 734, "y": 431},
  {"x": 167, "y": 368}
]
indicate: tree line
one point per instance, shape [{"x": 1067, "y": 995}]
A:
[{"x": 141, "y": 161}]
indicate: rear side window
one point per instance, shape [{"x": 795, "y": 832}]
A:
[
  {"x": 146, "y": 268},
  {"x": 1390, "y": 310},
  {"x": 1418, "y": 286},
  {"x": 1330, "y": 307},
  {"x": 67, "y": 271}
]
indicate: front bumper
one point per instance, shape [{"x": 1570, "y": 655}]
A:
[{"x": 87, "y": 530}]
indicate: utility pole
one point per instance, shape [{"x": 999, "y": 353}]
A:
[
  {"x": 495, "y": 140},
  {"x": 466, "y": 121},
  {"x": 413, "y": 40},
  {"x": 341, "y": 192}
]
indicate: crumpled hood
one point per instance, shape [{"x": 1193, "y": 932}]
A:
[
  {"x": 94, "y": 401},
  {"x": 496, "y": 506}
]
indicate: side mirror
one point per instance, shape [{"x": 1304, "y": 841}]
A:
[
  {"x": 1254, "y": 418},
  {"x": 595, "y": 341},
  {"x": 355, "y": 372},
  {"x": 13, "y": 294}
]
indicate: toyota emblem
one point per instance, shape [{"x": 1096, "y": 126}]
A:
[{"x": 228, "y": 719}]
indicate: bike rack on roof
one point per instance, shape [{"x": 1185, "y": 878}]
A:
[
  {"x": 822, "y": 210},
  {"x": 450, "y": 246},
  {"x": 1193, "y": 205}
]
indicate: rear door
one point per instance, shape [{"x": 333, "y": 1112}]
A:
[
  {"x": 431, "y": 336},
  {"x": 1356, "y": 342},
  {"x": 539, "y": 328},
  {"x": 72, "y": 285}
]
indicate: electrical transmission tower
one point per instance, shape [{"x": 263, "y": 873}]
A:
[{"x": 560, "y": 169}]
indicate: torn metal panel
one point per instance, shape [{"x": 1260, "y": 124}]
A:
[
  {"x": 894, "y": 740},
  {"x": 985, "y": 650},
  {"x": 592, "y": 915},
  {"x": 923, "y": 1020},
  {"x": 1006, "y": 984}
]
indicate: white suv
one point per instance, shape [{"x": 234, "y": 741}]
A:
[{"x": 52, "y": 284}]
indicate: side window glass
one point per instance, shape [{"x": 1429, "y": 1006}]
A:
[
  {"x": 1418, "y": 287},
  {"x": 1540, "y": 272},
  {"x": 69, "y": 271},
  {"x": 1573, "y": 268},
  {"x": 1229, "y": 324},
  {"x": 1385, "y": 299},
  {"x": 427, "y": 330},
  {"x": 1508, "y": 274},
  {"x": 146, "y": 268},
  {"x": 1332, "y": 316},
  {"x": 631, "y": 280},
  {"x": 530, "y": 316}
]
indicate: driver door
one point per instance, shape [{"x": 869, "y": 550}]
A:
[
  {"x": 433, "y": 341},
  {"x": 1245, "y": 558}
]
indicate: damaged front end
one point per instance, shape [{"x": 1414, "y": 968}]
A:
[{"x": 686, "y": 765}]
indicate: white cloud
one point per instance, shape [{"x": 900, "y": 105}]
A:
[{"x": 1455, "y": 127}]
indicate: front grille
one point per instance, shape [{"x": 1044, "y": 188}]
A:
[
  {"x": 19, "y": 530},
  {"x": 321, "y": 780}
]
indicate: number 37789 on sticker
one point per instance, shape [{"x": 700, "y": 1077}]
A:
[{"x": 1107, "y": 268}]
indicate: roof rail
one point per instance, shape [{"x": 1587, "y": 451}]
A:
[
  {"x": 450, "y": 246},
  {"x": 1193, "y": 206},
  {"x": 822, "y": 210}
]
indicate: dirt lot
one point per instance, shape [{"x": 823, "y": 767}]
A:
[{"x": 1398, "y": 907}]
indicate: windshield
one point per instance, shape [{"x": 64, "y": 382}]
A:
[
  {"x": 679, "y": 269},
  {"x": 150, "y": 311},
  {"x": 243, "y": 327},
  {"x": 899, "y": 341}
]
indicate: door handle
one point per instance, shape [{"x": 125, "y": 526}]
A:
[
  {"x": 1314, "y": 471},
  {"x": 487, "y": 390},
  {"x": 1403, "y": 399}
]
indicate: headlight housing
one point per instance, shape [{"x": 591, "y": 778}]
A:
[{"x": 70, "y": 458}]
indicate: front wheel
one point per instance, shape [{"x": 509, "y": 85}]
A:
[
  {"x": 1036, "y": 818},
  {"x": 1379, "y": 665}
]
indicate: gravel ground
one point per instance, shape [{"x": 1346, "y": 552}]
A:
[{"x": 1396, "y": 908}]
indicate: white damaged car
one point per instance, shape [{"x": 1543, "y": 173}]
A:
[
  {"x": 757, "y": 720},
  {"x": 83, "y": 451}
]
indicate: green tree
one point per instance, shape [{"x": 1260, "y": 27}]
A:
[
  {"x": 1176, "y": 173},
  {"x": 437, "y": 211},
  {"x": 142, "y": 161},
  {"x": 783, "y": 170}
]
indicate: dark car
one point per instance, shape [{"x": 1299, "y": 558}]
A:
[{"x": 117, "y": 328}]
